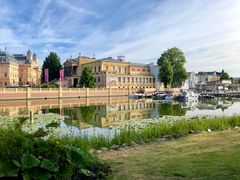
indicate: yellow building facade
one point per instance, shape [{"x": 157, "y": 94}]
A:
[
  {"x": 112, "y": 73},
  {"x": 18, "y": 69}
]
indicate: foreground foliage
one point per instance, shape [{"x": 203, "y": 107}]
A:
[
  {"x": 29, "y": 153},
  {"x": 23, "y": 156}
]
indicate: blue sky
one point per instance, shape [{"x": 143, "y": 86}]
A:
[{"x": 207, "y": 31}]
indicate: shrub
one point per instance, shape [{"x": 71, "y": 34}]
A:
[{"x": 25, "y": 157}]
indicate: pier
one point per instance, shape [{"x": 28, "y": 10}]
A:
[{"x": 230, "y": 94}]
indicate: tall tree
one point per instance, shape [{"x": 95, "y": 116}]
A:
[
  {"x": 52, "y": 62},
  {"x": 224, "y": 76},
  {"x": 177, "y": 60},
  {"x": 87, "y": 78},
  {"x": 166, "y": 73}
]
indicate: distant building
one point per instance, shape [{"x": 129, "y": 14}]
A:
[
  {"x": 203, "y": 77},
  {"x": 111, "y": 72},
  {"x": 191, "y": 81},
  {"x": 19, "y": 69},
  {"x": 219, "y": 86}
]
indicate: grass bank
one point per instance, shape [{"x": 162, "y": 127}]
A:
[
  {"x": 169, "y": 128},
  {"x": 207, "y": 155}
]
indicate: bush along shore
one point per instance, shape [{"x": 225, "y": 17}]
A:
[
  {"x": 139, "y": 133},
  {"x": 26, "y": 153}
]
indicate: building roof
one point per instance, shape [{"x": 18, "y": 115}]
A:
[
  {"x": 138, "y": 64},
  {"x": 7, "y": 57},
  {"x": 209, "y": 73}
]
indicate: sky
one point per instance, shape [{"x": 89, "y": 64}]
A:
[{"x": 207, "y": 31}]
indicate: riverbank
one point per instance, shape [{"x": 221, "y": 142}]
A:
[
  {"x": 40, "y": 141},
  {"x": 208, "y": 155}
]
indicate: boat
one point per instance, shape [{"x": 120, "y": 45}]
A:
[
  {"x": 189, "y": 96},
  {"x": 161, "y": 95},
  {"x": 169, "y": 97}
]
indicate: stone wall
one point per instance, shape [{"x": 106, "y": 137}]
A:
[{"x": 59, "y": 93}]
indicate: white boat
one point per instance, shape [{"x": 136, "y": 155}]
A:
[{"x": 189, "y": 96}]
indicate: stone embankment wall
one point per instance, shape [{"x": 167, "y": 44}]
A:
[{"x": 53, "y": 93}]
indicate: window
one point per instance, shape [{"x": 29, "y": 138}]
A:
[
  {"x": 132, "y": 79},
  {"x": 5, "y": 84},
  {"x": 125, "y": 70},
  {"x": 95, "y": 69},
  {"x": 128, "y": 79},
  {"x": 124, "y": 79},
  {"x": 150, "y": 80},
  {"x": 140, "y": 80},
  {"x": 119, "y": 69},
  {"x": 99, "y": 68},
  {"x": 136, "y": 79},
  {"x": 5, "y": 74},
  {"x": 119, "y": 79},
  {"x": 99, "y": 79}
]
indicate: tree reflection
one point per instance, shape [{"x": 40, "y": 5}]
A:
[
  {"x": 88, "y": 112},
  {"x": 171, "y": 109}
]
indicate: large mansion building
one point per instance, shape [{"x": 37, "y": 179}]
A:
[
  {"x": 19, "y": 69},
  {"x": 111, "y": 72}
]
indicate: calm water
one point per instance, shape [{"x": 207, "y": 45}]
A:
[{"x": 102, "y": 116}]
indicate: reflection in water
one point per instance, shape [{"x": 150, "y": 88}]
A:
[
  {"x": 94, "y": 115},
  {"x": 171, "y": 109},
  {"x": 108, "y": 115}
]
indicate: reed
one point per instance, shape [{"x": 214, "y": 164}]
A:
[{"x": 152, "y": 132}]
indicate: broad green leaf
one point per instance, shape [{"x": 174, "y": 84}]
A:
[
  {"x": 8, "y": 169},
  {"x": 86, "y": 172},
  {"x": 76, "y": 156},
  {"x": 49, "y": 165},
  {"x": 17, "y": 163},
  {"x": 29, "y": 161}
]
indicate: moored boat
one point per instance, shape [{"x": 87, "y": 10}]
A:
[{"x": 188, "y": 96}]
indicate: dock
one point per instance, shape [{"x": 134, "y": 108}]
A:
[{"x": 230, "y": 94}]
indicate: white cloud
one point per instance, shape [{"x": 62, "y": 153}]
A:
[{"x": 207, "y": 31}]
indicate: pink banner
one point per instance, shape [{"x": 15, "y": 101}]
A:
[
  {"x": 61, "y": 74},
  {"x": 46, "y": 75}
]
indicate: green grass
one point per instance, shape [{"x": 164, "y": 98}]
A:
[
  {"x": 214, "y": 155},
  {"x": 155, "y": 131}
]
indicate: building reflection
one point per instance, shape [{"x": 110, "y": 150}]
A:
[
  {"x": 106, "y": 111},
  {"x": 108, "y": 115}
]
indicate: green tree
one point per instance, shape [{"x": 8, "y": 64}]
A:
[
  {"x": 224, "y": 76},
  {"x": 87, "y": 78},
  {"x": 166, "y": 73},
  {"x": 52, "y": 62},
  {"x": 177, "y": 60}
]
